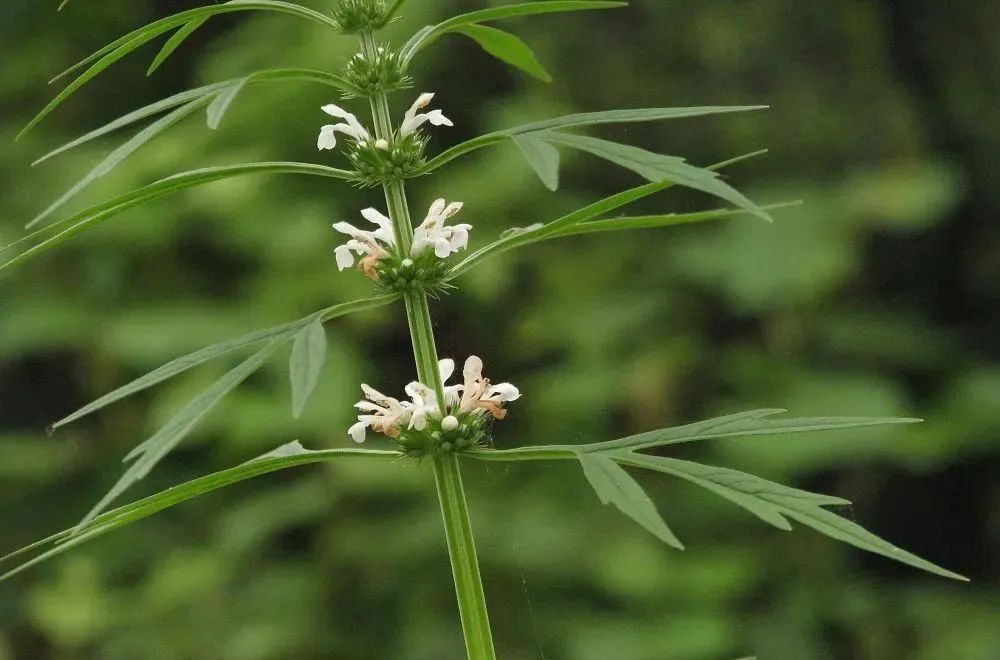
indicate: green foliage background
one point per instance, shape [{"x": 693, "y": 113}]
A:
[{"x": 879, "y": 296}]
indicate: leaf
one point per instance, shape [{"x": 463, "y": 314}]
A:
[
  {"x": 771, "y": 501},
  {"x": 175, "y": 40},
  {"x": 99, "y": 213},
  {"x": 182, "y": 364},
  {"x": 614, "y": 486},
  {"x": 427, "y": 35},
  {"x": 577, "y": 120},
  {"x": 754, "y": 422},
  {"x": 290, "y": 455},
  {"x": 656, "y": 167},
  {"x": 122, "y": 46},
  {"x": 624, "y": 223},
  {"x": 565, "y": 224},
  {"x": 628, "y": 116},
  {"x": 306, "y": 363},
  {"x": 265, "y": 75},
  {"x": 543, "y": 158},
  {"x": 508, "y": 48},
  {"x": 121, "y": 153},
  {"x": 161, "y": 443},
  {"x": 223, "y": 99}
]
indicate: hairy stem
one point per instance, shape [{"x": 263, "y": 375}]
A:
[{"x": 447, "y": 476}]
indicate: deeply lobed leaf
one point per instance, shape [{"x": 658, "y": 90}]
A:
[
  {"x": 287, "y": 456},
  {"x": 95, "y": 215},
  {"x": 121, "y": 47}
]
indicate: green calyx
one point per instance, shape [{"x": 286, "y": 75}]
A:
[
  {"x": 357, "y": 16},
  {"x": 440, "y": 436},
  {"x": 382, "y": 72},
  {"x": 425, "y": 272},
  {"x": 376, "y": 163}
]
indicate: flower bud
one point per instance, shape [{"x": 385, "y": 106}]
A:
[{"x": 355, "y": 16}]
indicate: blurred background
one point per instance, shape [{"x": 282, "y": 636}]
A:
[{"x": 879, "y": 296}]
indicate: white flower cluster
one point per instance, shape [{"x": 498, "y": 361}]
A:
[
  {"x": 353, "y": 128},
  {"x": 379, "y": 243},
  {"x": 475, "y": 397}
]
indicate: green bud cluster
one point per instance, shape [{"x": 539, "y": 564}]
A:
[
  {"x": 383, "y": 72},
  {"x": 435, "y": 439},
  {"x": 425, "y": 272},
  {"x": 375, "y": 166},
  {"x": 356, "y": 16}
]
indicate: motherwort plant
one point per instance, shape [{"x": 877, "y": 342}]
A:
[{"x": 441, "y": 419}]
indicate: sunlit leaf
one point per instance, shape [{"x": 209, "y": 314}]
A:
[
  {"x": 306, "y": 363},
  {"x": 508, "y": 48},
  {"x": 614, "y": 486}
]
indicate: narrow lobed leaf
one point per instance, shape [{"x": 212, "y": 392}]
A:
[
  {"x": 116, "y": 157},
  {"x": 543, "y": 158},
  {"x": 182, "y": 364},
  {"x": 223, "y": 99},
  {"x": 266, "y": 75},
  {"x": 306, "y": 363},
  {"x": 754, "y": 422},
  {"x": 121, "y": 47},
  {"x": 614, "y": 486},
  {"x": 427, "y": 35},
  {"x": 507, "y": 48},
  {"x": 288, "y": 456},
  {"x": 145, "y": 456},
  {"x": 767, "y": 500},
  {"x": 656, "y": 167},
  {"x": 96, "y": 215},
  {"x": 175, "y": 40}
]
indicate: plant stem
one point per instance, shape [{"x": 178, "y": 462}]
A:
[{"x": 447, "y": 476}]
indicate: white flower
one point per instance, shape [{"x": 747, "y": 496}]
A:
[
  {"x": 432, "y": 232},
  {"x": 386, "y": 415},
  {"x": 478, "y": 395},
  {"x": 383, "y": 414},
  {"x": 350, "y": 127},
  {"x": 369, "y": 243},
  {"x": 412, "y": 121},
  {"x": 425, "y": 401}
]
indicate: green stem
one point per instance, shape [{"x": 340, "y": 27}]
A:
[{"x": 447, "y": 476}]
